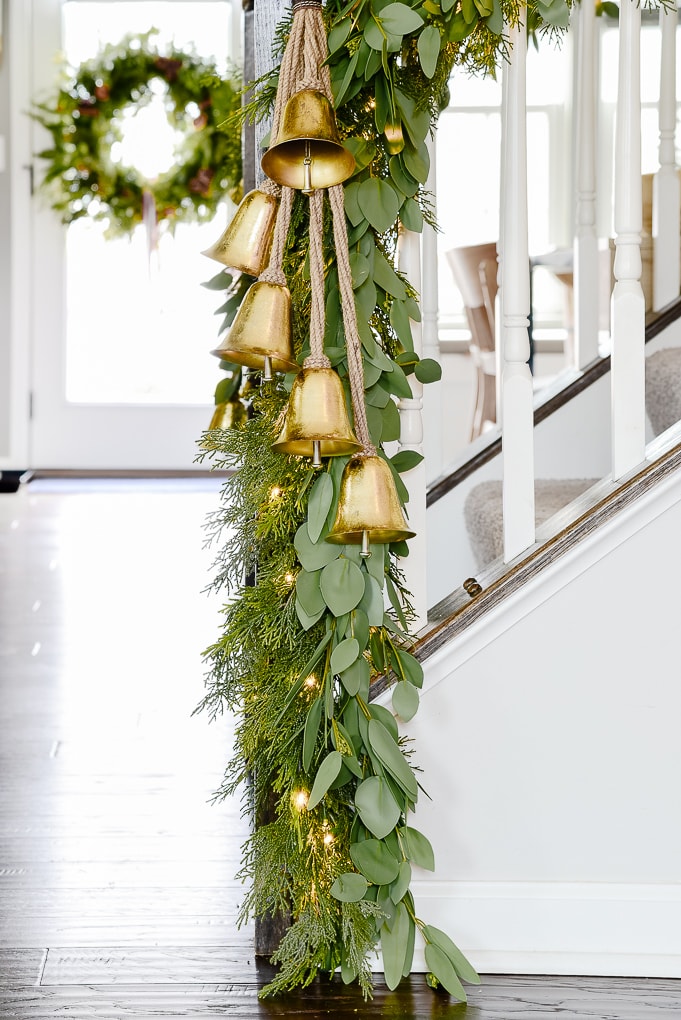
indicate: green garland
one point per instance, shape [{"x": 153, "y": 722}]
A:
[
  {"x": 83, "y": 121},
  {"x": 302, "y": 645}
]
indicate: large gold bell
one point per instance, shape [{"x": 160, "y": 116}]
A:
[
  {"x": 368, "y": 507},
  {"x": 317, "y": 423},
  {"x": 308, "y": 152},
  {"x": 260, "y": 336},
  {"x": 246, "y": 243}
]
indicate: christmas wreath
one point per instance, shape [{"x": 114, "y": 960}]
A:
[{"x": 84, "y": 119}]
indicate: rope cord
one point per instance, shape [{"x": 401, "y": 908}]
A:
[{"x": 317, "y": 358}]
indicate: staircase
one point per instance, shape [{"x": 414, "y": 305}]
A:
[{"x": 548, "y": 729}]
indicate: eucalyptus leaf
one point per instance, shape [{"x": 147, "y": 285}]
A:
[
  {"x": 394, "y": 944},
  {"x": 429, "y": 49},
  {"x": 386, "y": 277},
  {"x": 222, "y": 281},
  {"x": 400, "y": 19},
  {"x": 340, "y": 91},
  {"x": 379, "y": 203},
  {"x": 375, "y": 564},
  {"x": 395, "y": 601},
  {"x": 375, "y": 423},
  {"x": 443, "y": 969},
  {"x": 375, "y": 861},
  {"x": 406, "y": 460},
  {"x": 417, "y": 848},
  {"x": 411, "y": 216},
  {"x": 311, "y": 732},
  {"x": 402, "y": 178},
  {"x": 349, "y": 887},
  {"x": 362, "y": 149},
  {"x": 377, "y": 396},
  {"x": 359, "y": 624},
  {"x": 308, "y": 591},
  {"x": 405, "y": 700},
  {"x": 327, "y": 773},
  {"x": 365, "y": 300},
  {"x": 391, "y": 757},
  {"x": 372, "y": 601},
  {"x": 390, "y": 431},
  {"x": 307, "y": 620},
  {"x": 463, "y": 968},
  {"x": 428, "y": 370},
  {"x": 313, "y": 555},
  {"x": 355, "y": 676},
  {"x": 344, "y": 654},
  {"x": 398, "y": 383},
  {"x": 417, "y": 162},
  {"x": 409, "y": 958},
  {"x": 352, "y": 209},
  {"x": 342, "y": 585},
  {"x": 319, "y": 504},
  {"x": 227, "y": 387},
  {"x": 495, "y": 21},
  {"x": 401, "y": 883},
  {"x": 360, "y": 268},
  {"x": 377, "y": 807},
  {"x": 339, "y": 33},
  {"x": 387, "y": 906},
  {"x": 387, "y": 719},
  {"x": 411, "y": 667}
]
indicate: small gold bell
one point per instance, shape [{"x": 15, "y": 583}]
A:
[
  {"x": 317, "y": 423},
  {"x": 308, "y": 153},
  {"x": 368, "y": 507},
  {"x": 260, "y": 336},
  {"x": 394, "y": 137},
  {"x": 245, "y": 244},
  {"x": 227, "y": 415}
]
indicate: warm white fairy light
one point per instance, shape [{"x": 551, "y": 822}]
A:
[
  {"x": 328, "y": 839},
  {"x": 275, "y": 492},
  {"x": 289, "y": 578},
  {"x": 300, "y": 798},
  {"x": 311, "y": 681}
]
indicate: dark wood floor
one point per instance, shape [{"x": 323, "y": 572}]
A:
[{"x": 117, "y": 891}]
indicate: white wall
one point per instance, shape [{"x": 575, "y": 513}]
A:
[{"x": 549, "y": 738}]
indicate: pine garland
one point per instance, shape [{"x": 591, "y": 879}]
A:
[{"x": 308, "y": 634}]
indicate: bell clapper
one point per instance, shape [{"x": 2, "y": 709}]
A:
[
  {"x": 365, "y": 551},
  {"x": 267, "y": 369},
  {"x": 307, "y": 188},
  {"x": 316, "y": 453}
]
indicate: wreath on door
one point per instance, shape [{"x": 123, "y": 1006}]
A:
[{"x": 85, "y": 121}]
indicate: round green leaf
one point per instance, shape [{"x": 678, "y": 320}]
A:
[
  {"x": 405, "y": 700},
  {"x": 365, "y": 300},
  {"x": 379, "y": 203},
  {"x": 377, "y": 807},
  {"x": 405, "y": 460},
  {"x": 429, "y": 49},
  {"x": 375, "y": 861},
  {"x": 428, "y": 370},
  {"x": 339, "y": 34},
  {"x": 342, "y": 585},
  {"x": 400, "y": 19},
  {"x": 356, "y": 676},
  {"x": 404, "y": 181},
  {"x": 360, "y": 268},
  {"x": 394, "y": 945},
  {"x": 328, "y": 772},
  {"x": 443, "y": 969},
  {"x": 401, "y": 883},
  {"x": 344, "y": 654},
  {"x": 309, "y": 593},
  {"x": 312, "y": 555},
  {"x": 349, "y": 887},
  {"x": 411, "y": 667},
  {"x": 385, "y": 717},
  {"x": 350, "y": 195},
  {"x": 417, "y": 163},
  {"x": 319, "y": 504},
  {"x": 411, "y": 216},
  {"x": 306, "y": 619},
  {"x": 372, "y": 601},
  {"x": 417, "y": 848}
]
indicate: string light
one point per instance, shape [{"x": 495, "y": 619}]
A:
[
  {"x": 300, "y": 798},
  {"x": 328, "y": 839},
  {"x": 289, "y": 578},
  {"x": 275, "y": 492},
  {"x": 311, "y": 681}
]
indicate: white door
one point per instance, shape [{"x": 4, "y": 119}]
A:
[{"x": 121, "y": 371}]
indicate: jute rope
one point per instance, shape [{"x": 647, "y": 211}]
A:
[
  {"x": 303, "y": 67},
  {"x": 317, "y": 358}
]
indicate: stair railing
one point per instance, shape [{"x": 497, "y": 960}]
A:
[{"x": 666, "y": 188}]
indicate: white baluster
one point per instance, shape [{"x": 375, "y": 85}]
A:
[
  {"x": 666, "y": 190},
  {"x": 499, "y": 302},
  {"x": 517, "y": 401},
  {"x": 628, "y": 303},
  {"x": 411, "y": 438},
  {"x": 432, "y": 403},
  {"x": 236, "y": 47},
  {"x": 586, "y": 240}
]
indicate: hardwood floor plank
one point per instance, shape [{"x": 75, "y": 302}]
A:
[
  {"x": 149, "y": 965},
  {"x": 21, "y": 966}
]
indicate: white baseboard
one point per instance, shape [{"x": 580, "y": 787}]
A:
[{"x": 557, "y": 928}]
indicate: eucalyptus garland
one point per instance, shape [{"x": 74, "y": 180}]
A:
[
  {"x": 306, "y": 637},
  {"x": 84, "y": 119}
]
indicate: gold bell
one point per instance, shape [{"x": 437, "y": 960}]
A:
[
  {"x": 317, "y": 423},
  {"x": 308, "y": 153},
  {"x": 369, "y": 507},
  {"x": 260, "y": 336},
  {"x": 227, "y": 415},
  {"x": 246, "y": 243}
]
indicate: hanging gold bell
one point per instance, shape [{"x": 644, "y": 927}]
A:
[
  {"x": 317, "y": 423},
  {"x": 368, "y": 507},
  {"x": 260, "y": 336},
  {"x": 227, "y": 415},
  {"x": 246, "y": 243},
  {"x": 308, "y": 153}
]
